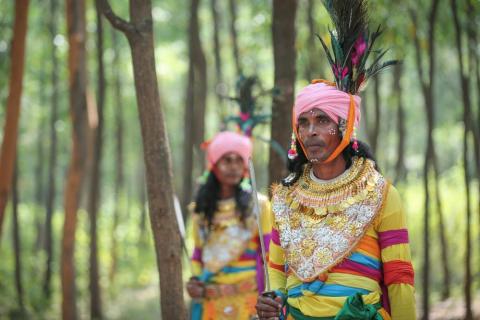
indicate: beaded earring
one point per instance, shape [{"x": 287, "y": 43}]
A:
[
  {"x": 355, "y": 141},
  {"x": 292, "y": 153}
]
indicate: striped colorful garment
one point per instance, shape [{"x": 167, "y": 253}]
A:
[
  {"x": 379, "y": 268},
  {"x": 230, "y": 254}
]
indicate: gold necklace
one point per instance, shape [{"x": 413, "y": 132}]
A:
[{"x": 319, "y": 198}]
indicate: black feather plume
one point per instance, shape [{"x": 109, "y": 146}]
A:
[{"x": 351, "y": 45}]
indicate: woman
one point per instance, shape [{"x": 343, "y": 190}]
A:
[{"x": 227, "y": 264}]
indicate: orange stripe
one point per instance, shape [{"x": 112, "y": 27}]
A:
[
  {"x": 384, "y": 314},
  {"x": 370, "y": 245},
  {"x": 279, "y": 267}
]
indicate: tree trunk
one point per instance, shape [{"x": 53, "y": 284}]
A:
[
  {"x": 216, "y": 46},
  {"x": 234, "y": 36},
  {"x": 9, "y": 145},
  {"x": 472, "y": 27},
  {"x": 427, "y": 86},
  {"x": 284, "y": 56},
  {"x": 78, "y": 113},
  {"x": 95, "y": 182},
  {"x": 467, "y": 116},
  {"x": 17, "y": 248},
  {"x": 312, "y": 71},
  {"x": 468, "y": 228},
  {"x": 156, "y": 151},
  {"x": 39, "y": 176},
  {"x": 119, "y": 146},
  {"x": 195, "y": 106},
  {"x": 52, "y": 161},
  {"x": 376, "y": 119},
  {"x": 442, "y": 233},
  {"x": 400, "y": 168},
  {"x": 188, "y": 119},
  {"x": 200, "y": 91}
]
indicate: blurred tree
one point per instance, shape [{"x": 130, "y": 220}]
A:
[
  {"x": 374, "y": 129},
  {"x": 472, "y": 25},
  {"x": 400, "y": 169},
  {"x": 119, "y": 154},
  {"x": 311, "y": 69},
  {"x": 17, "y": 247},
  {"x": 194, "y": 118},
  {"x": 96, "y": 177},
  {"x": 284, "y": 56},
  {"x": 9, "y": 144},
  {"x": 234, "y": 36},
  {"x": 52, "y": 157},
  {"x": 75, "y": 11},
  {"x": 39, "y": 169},
  {"x": 469, "y": 127},
  {"x": 156, "y": 152},
  {"x": 214, "y": 7},
  {"x": 427, "y": 85},
  {"x": 472, "y": 30}
]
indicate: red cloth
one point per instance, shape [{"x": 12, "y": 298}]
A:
[{"x": 397, "y": 271}]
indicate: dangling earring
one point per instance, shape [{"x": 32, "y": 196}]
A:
[
  {"x": 342, "y": 126},
  {"x": 292, "y": 153},
  {"x": 355, "y": 141}
]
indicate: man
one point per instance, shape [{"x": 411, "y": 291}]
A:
[{"x": 339, "y": 247}]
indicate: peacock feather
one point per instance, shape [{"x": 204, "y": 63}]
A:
[{"x": 352, "y": 44}]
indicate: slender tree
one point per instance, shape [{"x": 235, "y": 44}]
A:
[
  {"x": 95, "y": 181},
  {"x": 156, "y": 150},
  {"x": 284, "y": 57},
  {"x": 312, "y": 70},
  {"x": 400, "y": 169},
  {"x": 17, "y": 247},
  {"x": 119, "y": 154},
  {"x": 376, "y": 115},
  {"x": 472, "y": 31},
  {"x": 216, "y": 43},
  {"x": 52, "y": 159},
  {"x": 39, "y": 173},
  {"x": 234, "y": 36},
  {"x": 468, "y": 127},
  {"x": 76, "y": 171},
  {"x": 427, "y": 85},
  {"x": 9, "y": 145},
  {"x": 195, "y": 104}
]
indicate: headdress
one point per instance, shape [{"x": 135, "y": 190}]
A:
[
  {"x": 248, "y": 117},
  {"x": 351, "y": 46},
  {"x": 225, "y": 142}
]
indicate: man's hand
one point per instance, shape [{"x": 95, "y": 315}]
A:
[
  {"x": 195, "y": 288},
  {"x": 268, "y": 308}
]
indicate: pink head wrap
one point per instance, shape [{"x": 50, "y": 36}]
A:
[
  {"x": 335, "y": 103},
  {"x": 225, "y": 142}
]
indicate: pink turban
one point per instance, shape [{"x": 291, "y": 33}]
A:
[
  {"x": 225, "y": 142},
  {"x": 335, "y": 103}
]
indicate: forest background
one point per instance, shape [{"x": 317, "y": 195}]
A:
[{"x": 422, "y": 119}]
